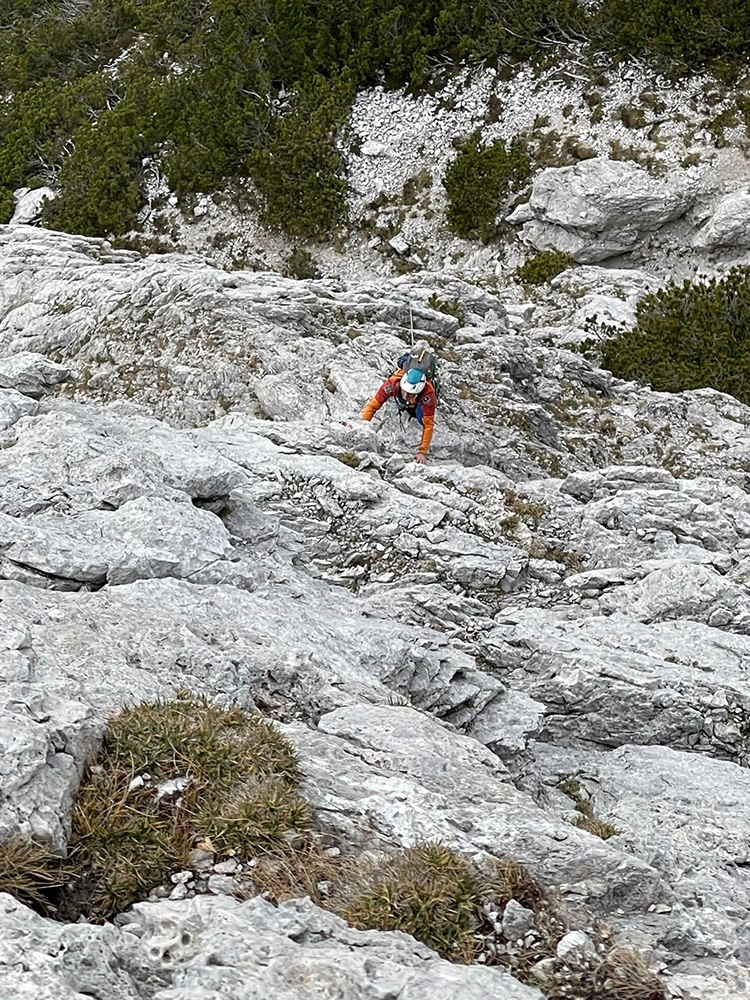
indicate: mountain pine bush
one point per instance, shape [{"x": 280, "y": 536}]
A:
[
  {"x": 689, "y": 336},
  {"x": 479, "y": 180},
  {"x": 202, "y": 82},
  {"x": 682, "y": 35}
]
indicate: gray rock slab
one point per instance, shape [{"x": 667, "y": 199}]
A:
[
  {"x": 76, "y": 459},
  {"x": 689, "y": 817},
  {"x": 45, "y": 742},
  {"x": 613, "y": 680},
  {"x": 729, "y": 225},
  {"x": 391, "y": 777},
  {"x": 206, "y": 948},
  {"x": 144, "y": 538},
  {"x": 31, "y": 374},
  {"x": 599, "y": 208}
]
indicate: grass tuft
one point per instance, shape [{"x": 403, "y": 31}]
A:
[
  {"x": 429, "y": 891},
  {"x": 30, "y": 872},
  {"x": 170, "y": 774}
]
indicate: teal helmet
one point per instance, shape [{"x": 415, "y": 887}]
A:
[{"x": 413, "y": 382}]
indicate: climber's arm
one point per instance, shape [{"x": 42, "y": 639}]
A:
[
  {"x": 371, "y": 408},
  {"x": 428, "y": 426},
  {"x": 384, "y": 393}
]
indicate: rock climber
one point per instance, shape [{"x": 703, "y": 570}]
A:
[{"x": 414, "y": 395}]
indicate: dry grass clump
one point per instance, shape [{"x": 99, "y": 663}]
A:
[
  {"x": 170, "y": 774},
  {"x": 429, "y": 891},
  {"x": 30, "y": 872},
  {"x": 620, "y": 975},
  {"x": 599, "y": 827},
  {"x": 456, "y": 908},
  {"x": 508, "y": 880},
  {"x": 586, "y": 820}
]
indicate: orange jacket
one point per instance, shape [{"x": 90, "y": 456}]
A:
[{"x": 423, "y": 408}]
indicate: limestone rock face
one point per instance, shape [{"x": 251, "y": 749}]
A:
[
  {"x": 599, "y": 208},
  {"x": 435, "y": 785},
  {"x": 31, "y": 374},
  {"x": 562, "y": 590},
  {"x": 208, "y": 948},
  {"x": 729, "y": 226}
]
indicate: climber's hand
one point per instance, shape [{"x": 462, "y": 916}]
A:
[{"x": 419, "y": 458}]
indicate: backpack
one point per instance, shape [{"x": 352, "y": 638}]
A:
[{"x": 424, "y": 359}]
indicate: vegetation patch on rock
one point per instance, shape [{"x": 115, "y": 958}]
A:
[
  {"x": 543, "y": 267},
  {"x": 478, "y": 180},
  {"x": 30, "y": 872},
  {"x": 688, "y": 336},
  {"x": 170, "y": 775},
  {"x": 494, "y": 913},
  {"x": 97, "y": 94}
]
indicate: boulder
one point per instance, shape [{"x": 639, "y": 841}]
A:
[
  {"x": 729, "y": 226},
  {"x": 599, "y": 208}
]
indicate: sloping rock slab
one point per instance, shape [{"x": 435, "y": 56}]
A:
[{"x": 207, "y": 949}]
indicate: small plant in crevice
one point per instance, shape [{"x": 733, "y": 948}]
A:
[
  {"x": 543, "y": 267},
  {"x": 170, "y": 774},
  {"x": 301, "y": 264},
  {"x": 450, "y": 307},
  {"x": 586, "y": 819},
  {"x": 456, "y": 907},
  {"x": 437, "y": 895}
]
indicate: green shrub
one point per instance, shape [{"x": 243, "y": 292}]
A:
[
  {"x": 200, "y": 83},
  {"x": 543, "y": 267},
  {"x": 101, "y": 180},
  {"x": 238, "y": 779},
  {"x": 689, "y": 336},
  {"x": 6, "y": 204},
  {"x": 299, "y": 173},
  {"x": 682, "y": 35},
  {"x": 479, "y": 180}
]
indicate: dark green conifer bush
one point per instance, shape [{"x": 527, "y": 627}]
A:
[
  {"x": 689, "y": 336},
  {"x": 299, "y": 171},
  {"x": 543, "y": 267},
  {"x": 200, "y": 78},
  {"x": 479, "y": 180},
  {"x": 682, "y": 35}
]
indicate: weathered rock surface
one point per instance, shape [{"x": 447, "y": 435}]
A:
[
  {"x": 599, "y": 208},
  {"x": 683, "y": 814},
  {"x": 563, "y": 587},
  {"x": 31, "y": 374},
  {"x": 209, "y": 948},
  {"x": 426, "y": 783},
  {"x": 729, "y": 226}
]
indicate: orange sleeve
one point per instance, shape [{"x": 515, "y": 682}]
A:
[
  {"x": 428, "y": 426},
  {"x": 384, "y": 393},
  {"x": 371, "y": 408}
]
